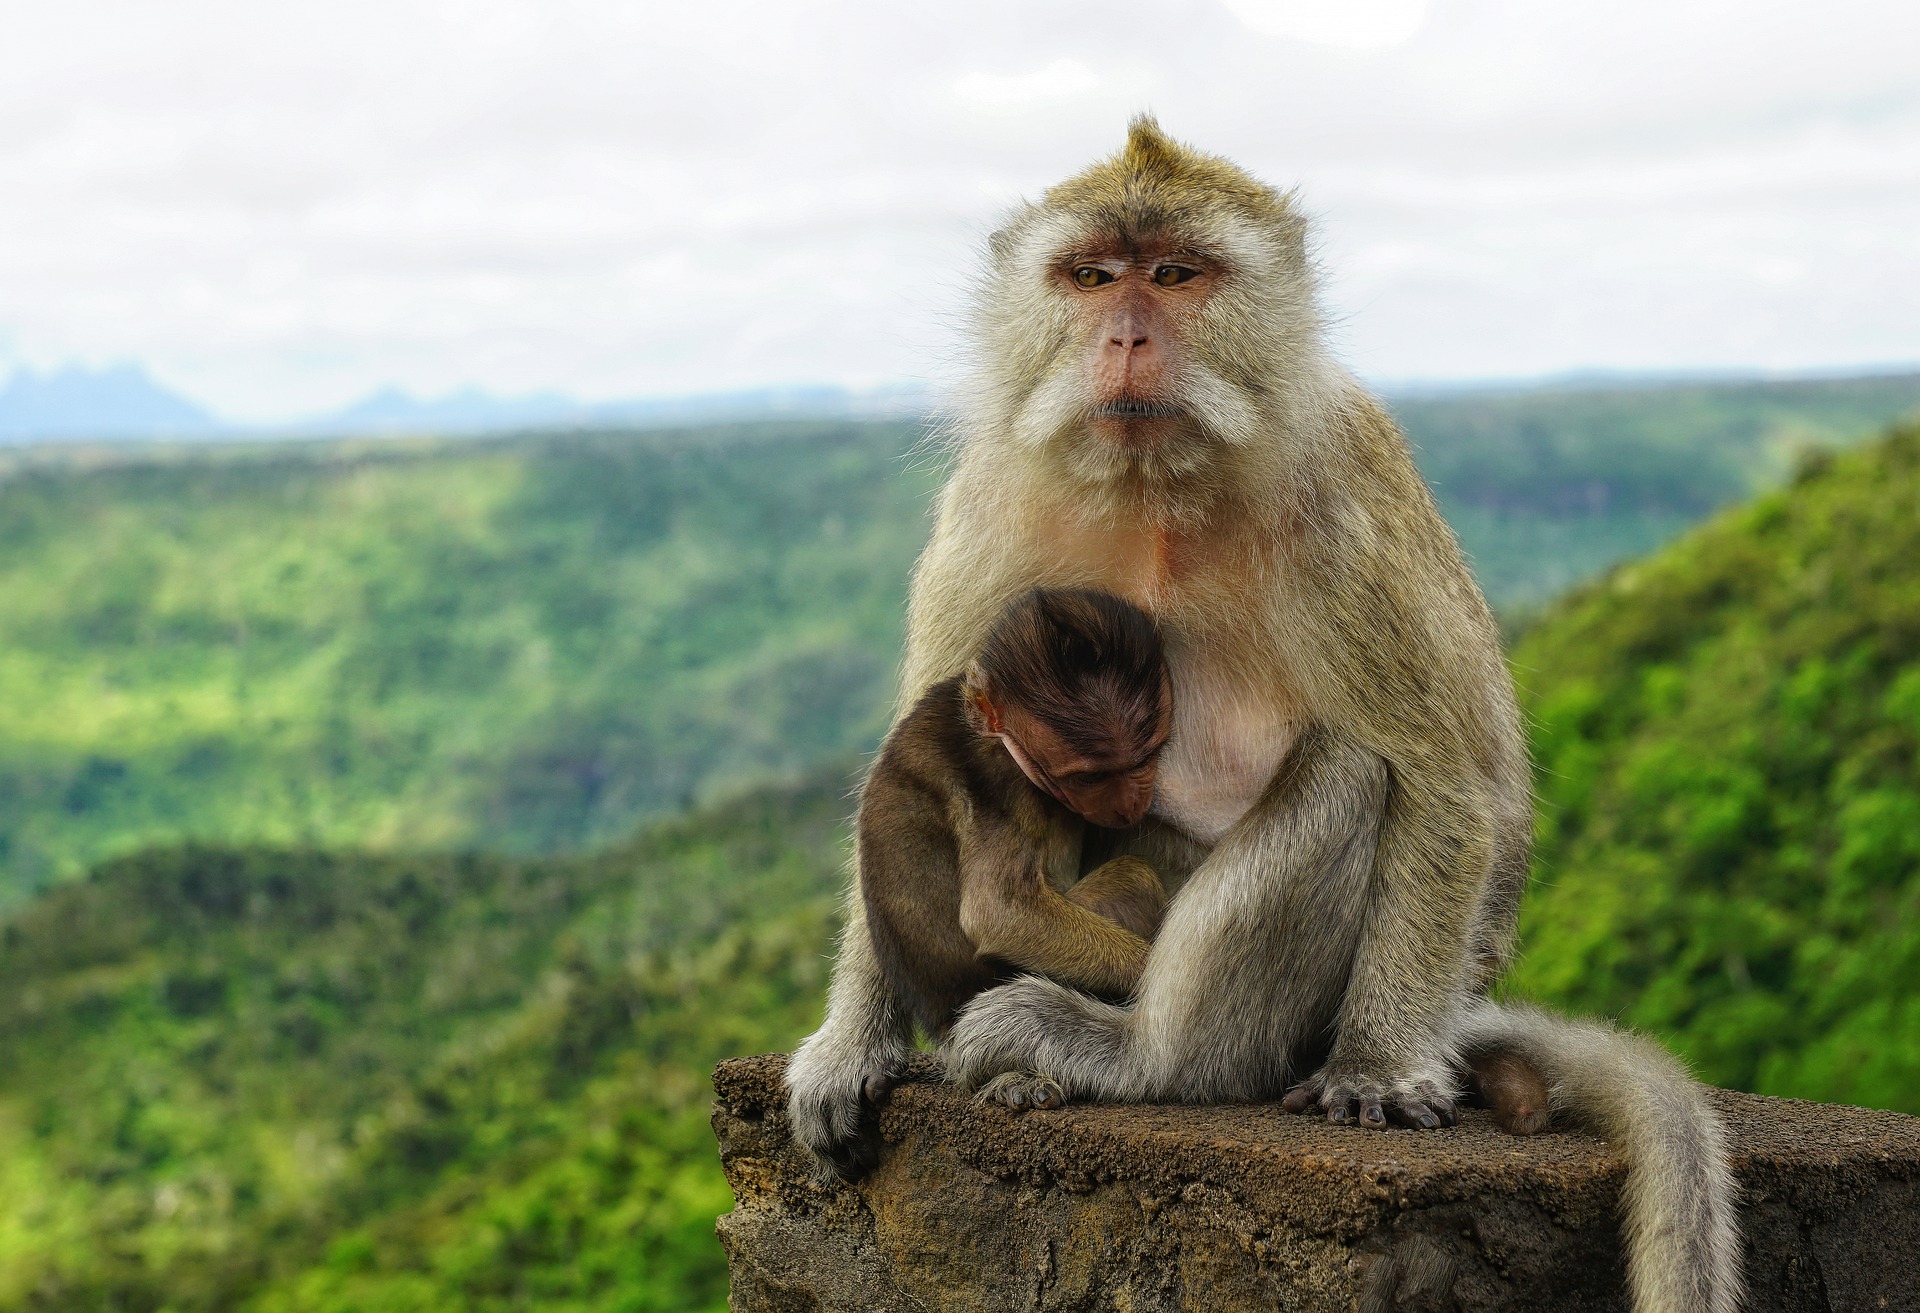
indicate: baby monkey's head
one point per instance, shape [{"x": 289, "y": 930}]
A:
[{"x": 1075, "y": 684}]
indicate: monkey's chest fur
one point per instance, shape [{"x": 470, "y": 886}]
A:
[
  {"x": 1234, "y": 719},
  {"x": 1228, "y": 742}
]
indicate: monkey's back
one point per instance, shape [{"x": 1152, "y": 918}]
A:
[{"x": 930, "y": 780}]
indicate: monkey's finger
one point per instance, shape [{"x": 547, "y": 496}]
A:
[
  {"x": 1299, "y": 1099},
  {"x": 1372, "y": 1116},
  {"x": 1444, "y": 1107},
  {"x": 1340, "y": 1112},
  {"x": 1048, "y": 1095},
  {"x": 877, "y": 1086}
]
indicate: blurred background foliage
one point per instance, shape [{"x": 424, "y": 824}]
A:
[
  {"x": 1727, "y": 741},
  {"x": 332, "y": 979}
]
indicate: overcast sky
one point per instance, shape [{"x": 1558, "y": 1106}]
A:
[{"x": 279, "y": 206}]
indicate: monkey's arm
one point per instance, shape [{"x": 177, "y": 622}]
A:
[
  {"x": 1249, "y": 967},
  {"x": 1009, "y": 911},
  {"x": 840, "y": 1072},
  {"x": 1126, "y": 891}
]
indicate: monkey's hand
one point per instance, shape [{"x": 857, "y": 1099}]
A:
[
  {"x": 834, "y": 1091},
  {"x": 1423, "y": 1102}
]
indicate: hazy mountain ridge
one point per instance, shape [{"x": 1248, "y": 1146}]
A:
[
  {"x": 77, "y": 402},
  {"x": 123, "y": 402}
]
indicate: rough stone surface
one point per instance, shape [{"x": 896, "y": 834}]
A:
[{"x": 1214, "y": 1210}]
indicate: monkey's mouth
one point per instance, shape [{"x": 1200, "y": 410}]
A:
[{"x": 1134, "y": 408}]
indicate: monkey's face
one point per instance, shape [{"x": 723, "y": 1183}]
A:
[
  {"x": 1131, "y": 380},
  {"x": 1135, "y": 312},
  {"x": 1147, "y": 320},
  {"x": 1111, "y": 785}
]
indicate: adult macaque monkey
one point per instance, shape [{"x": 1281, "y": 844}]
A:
[{"x": 1346, "y": 790}]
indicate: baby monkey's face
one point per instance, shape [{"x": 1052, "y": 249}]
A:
[{"x": 1111, "y": 784}]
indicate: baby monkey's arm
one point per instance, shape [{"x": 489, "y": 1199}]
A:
[
  {"x": 1087, "y": 938},
  {"x": 1126, "y": 891}
]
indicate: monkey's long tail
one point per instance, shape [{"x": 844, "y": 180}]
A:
[{"x": 1681, "y": 1234}]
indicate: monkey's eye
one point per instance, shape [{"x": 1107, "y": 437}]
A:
[
  {"x": 1169, "y": 274},
  {"x": 1091, "y": 275}
]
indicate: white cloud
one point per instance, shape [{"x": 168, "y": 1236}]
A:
[
  {"x": 280, "y": 206},
  {"x": 1062, "y": 80},
  {"x": 1354, "y": 24}
]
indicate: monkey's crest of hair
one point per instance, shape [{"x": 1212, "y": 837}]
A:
[
  {"x": 1252, "y": 369},
  {"x": 1155, "y": 185}
]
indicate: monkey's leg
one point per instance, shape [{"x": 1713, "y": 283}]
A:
[
  {"x": 1392, "y": 1056},
  {"x": 1125, "y": 890},
  {"x": 836, "y": 1077},
  {"x": 1249, "y": 967},
  {"x": 1682, "y": 1232}
]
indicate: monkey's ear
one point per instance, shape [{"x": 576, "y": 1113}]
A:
[{"x": 980, "y": 705}]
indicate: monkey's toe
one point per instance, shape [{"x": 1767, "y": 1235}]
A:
[
  {"x": 1020, "y": 1090},
  {"x": 879, "y": 1082},
  {"x": 1310, "y": 1095},
  {"x": 1375, "y": 1105}
]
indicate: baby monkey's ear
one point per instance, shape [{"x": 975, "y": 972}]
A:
[{"x": 982, "y": 713}]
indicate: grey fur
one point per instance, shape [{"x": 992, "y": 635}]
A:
[
  {"x": 867, "y": 1036},
  {"x": 1680, "y": 1227}
]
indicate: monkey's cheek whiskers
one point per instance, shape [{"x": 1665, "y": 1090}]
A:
[
  {"x": 1055, "y": 411},
  {"x": 1222, "y": 411}
]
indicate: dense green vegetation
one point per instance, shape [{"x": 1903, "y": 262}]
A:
[
  {"x": 1728, "y": 742},
  {"x": 302, "y": 1082},
  {"x": 535, "y": 644},
  {"x": 522, "y": 645}
]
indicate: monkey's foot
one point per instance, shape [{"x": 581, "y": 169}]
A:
[
  {"x": 1020, "y": 1090},
  {"x": 1374, "y": 1104}
]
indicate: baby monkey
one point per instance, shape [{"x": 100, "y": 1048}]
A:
[{"x": 972, "y": 818}]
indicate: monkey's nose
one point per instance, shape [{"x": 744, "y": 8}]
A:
[{"x": 1127, "y": 342}]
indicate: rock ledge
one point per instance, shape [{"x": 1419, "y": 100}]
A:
[{"x": 1213, "y": 1210}]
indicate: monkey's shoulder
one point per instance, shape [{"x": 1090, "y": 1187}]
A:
[{"x": 936, "y": 764}]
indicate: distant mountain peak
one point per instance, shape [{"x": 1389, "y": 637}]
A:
[{"x": 78, "y": 401}]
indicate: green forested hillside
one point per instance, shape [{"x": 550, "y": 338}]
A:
[
  {"x": 294, "y": 1082},
  {"x": 523, "y": 645},
  {"x": 534, "y": 644},
  {"x": 1728, "y": 741}
]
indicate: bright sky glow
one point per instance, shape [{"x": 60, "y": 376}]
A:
[{"x": 279, "y": 207}]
